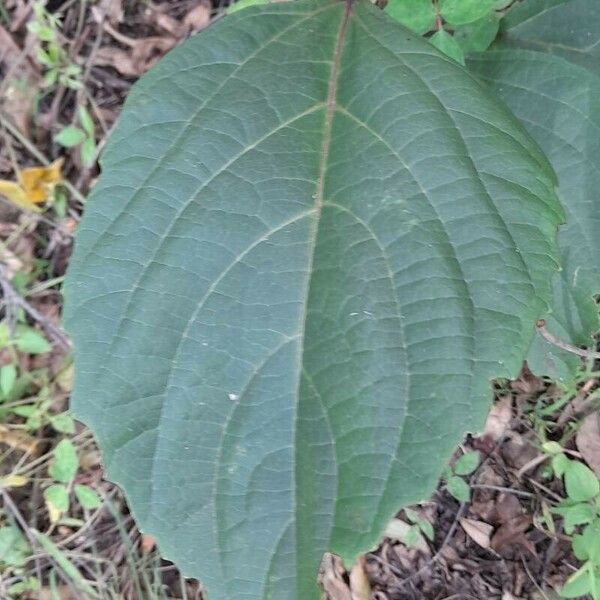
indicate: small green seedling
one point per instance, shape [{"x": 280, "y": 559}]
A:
[
  {"x": 83, "y": 137},
  {"x": 51, "y": 54},
  {"x": 465, "y": 465},
  {"x": 63, "y": 470},
  {"x": 412, "y": 531},
  {"x": 419, "y": 527},
  {"x": 455, "y": 27},
  {"x": 580, "y": 512}
]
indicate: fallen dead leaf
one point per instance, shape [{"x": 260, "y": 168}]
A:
[
  {"x": 13, "y": 481},
  {"x": 33, "y": 185},
  {"x": 588, "y": 441},
  {"x": 331, "y": 579},
  {"x": 148, "y": 543},
  {"x": 12, "y": 263},
  {"x": 111, "y": 10},
  {"x": 168, "y": 24},
  {"x": 198, "y": 17},
  {"x": 18, "y": 103},
  {"x": 18, "y": 440},
  {"x": 478, "y": 531},
  {"x": 64, "y": 592},
  {"x": 359, "y": 582},
  {"x": 519, "y": 453},
  {"x": 134, "y": 63},
  {"x": 507, "y": 507},
  {"x": 511, "y": 534},
  {"x": 18, "y": 87},
  {"x": 499, "y": 418}
]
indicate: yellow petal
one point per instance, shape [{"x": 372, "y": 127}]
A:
[
  {"x": 17, "y": 195},
  {"x": 37, "y": 181}
]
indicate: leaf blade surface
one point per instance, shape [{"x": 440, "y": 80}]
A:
[
  {"x": 557, "y": 103},
  {"x": 294, "y": 280}
]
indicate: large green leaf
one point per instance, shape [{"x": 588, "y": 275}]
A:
[
  {"x": 315, "y": 241},
  {"x": 558, "y": 103},
  {"x": 567, "y": 28}
]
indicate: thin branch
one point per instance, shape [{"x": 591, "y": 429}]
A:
[
  {"x": 552, "y": 339},
  {"x": 12, "y": 298},
  {"x": 504, "y": 490}
]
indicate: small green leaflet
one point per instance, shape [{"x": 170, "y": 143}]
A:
[{"x": 417, "y": 15}]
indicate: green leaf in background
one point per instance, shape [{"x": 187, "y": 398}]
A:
[
  {"x": 443, "y": 41},
  {"x": 70, "y": 136},
  {"x": 14, "y": 548},
  {"x": 57, "y": 498},
  {"x": 467, "y": 463},
  {"x": 62, "y": 423},
  {"x": 478, "y": 36},
  {"x": 458, "y": 488},
  {"x": 8, "y": 376},
  {"x": 87, "y": 497},
  {"x": 461, "y": 12},
  {"x": 577, "y": 515},
  {"x": 88, "y": 152},
  {"x": 86, "y": 121},
  {"x": 315, "y": 242},
  {"x": 579, "y": 584},
  {"x": 580, "y": 482},
  {"x": 587, "y": 544},
  {"x": 31, "y": 341},
  {"x": 560, "y": 463},
  {"x": 567, "y": 28},
  {"x": 27, "y": 584},
  {"x": 557, "y": 103},
  {"x": 65, "y": 462},
  {"x": 417, "y": 15}
]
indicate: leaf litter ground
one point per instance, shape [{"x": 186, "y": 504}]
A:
[{"x": 498, "y": 545}]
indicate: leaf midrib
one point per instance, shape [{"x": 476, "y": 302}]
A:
[{"x": 331, "y": 104}]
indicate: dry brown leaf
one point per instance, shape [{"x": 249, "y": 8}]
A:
[
  {"x": 13, "y": 481},
  {"x": 198, "y": 17},
  {"x": 478, "y": 531},
  {"x": 588, "y": 441},
  {"x": 169, "y": 24},
  {"x": 120, "y": 60},
  {"x": 9, "y": 49},
  {"x": 148, "y": 543},
  {"x": 359, "y": 582},
  {"x": 508, "y": 507},
  {"x": 511, "y": 533},
  {"x": 33, "y": 185},
  {"x": 12, "y": 263},
  {"x": 19, "y": 86},
  {"x": 19, "y": 440},
  {"x": 18, "y": 103},
  {"x": 111, "y": 10},
  {"x": 65, "y": 592},
  {"x": 499, "y": 418},
  {"x": 331, "y": 579},
  {"x": 144, "y": 53}
]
